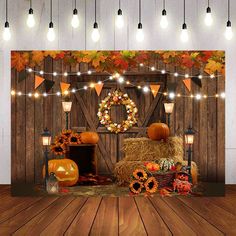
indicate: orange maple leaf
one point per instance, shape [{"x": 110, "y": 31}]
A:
[
  {"x": 19, "y": 60},
  {"x": 37, "y": 57}
]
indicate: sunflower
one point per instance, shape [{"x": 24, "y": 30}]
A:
[
  {"x": 140, "y": 174},
  {"x": 151, "y": 185},
  {"x": 74, "y": 139},
  {"x": 58, "y": 149},
  {"x": 136, "y": 186},
  {"x": 67, "y": 133},
  {"x": 61, "y": 139}
]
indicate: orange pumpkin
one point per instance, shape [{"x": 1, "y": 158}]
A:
[
  {"x": 66, "y": 171},
  {"x": 158, "y": 131},
  {"x": 89, "y": 137},
  {"x": 151, "y": 166}
]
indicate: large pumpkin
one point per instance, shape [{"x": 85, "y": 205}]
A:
[
  {"x": 158, "y": 131},
  {"x": 66, "y": 171},
  {"x": 89, "y": 137}
]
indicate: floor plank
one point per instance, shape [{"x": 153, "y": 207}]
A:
[
  {"x": 198, "y": 224},
  {"x": 174, "y": 222},
  {"x": 130, "y": 222},
  {"x": 152, "y": 220},
  {"x": 83, "y": 221},
  {"x": 42, "y": 220},
  {"x": 214, "y": 214},
  {"x": 60, "y": 224},
  {"x": 106, "y": 221},
  {"x": 25, "y": 216},
  {"x": 16, "y": 205}
]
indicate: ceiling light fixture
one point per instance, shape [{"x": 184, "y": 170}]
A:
[
  {"x": 119, "y": 18},
  {"x": 228, "y": 30},
  {"x": 7, "y": 32},
  {"x": 95, "y": 33},
  {"x": 184, "y": 33},
  {"x": 51, "y": 34},
  {"x": 208, "y": 17},
  {"x": 139, "y": 34},
  {"x": 164, "y": 21},
  {"x": 75, "y": 18}
]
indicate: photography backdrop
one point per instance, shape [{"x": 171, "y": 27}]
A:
[
  {"x": 31, "y": 115},
  {"x": 201, "y": 39}
]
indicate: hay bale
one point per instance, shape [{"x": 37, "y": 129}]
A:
[
  {"x": 143, "y": 149},
  {"x": 124, "y": 169}
]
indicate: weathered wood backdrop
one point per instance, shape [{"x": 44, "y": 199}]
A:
[{"x": 30, "y": 116}]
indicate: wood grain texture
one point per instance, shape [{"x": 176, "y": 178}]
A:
[
  {"x": 106, "y": 221},
  {"x": 130, "y": 222},
  {"x": 118, "y": 216},
  {"x": 31, "y": 116}
]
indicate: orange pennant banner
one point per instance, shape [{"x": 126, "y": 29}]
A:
[
  {"x": 64, "y": 87},
  {"x": 187, "y": 83},
  {"x": 155, "y": 89},
  {"x": 38, "y": 81},
  {"x": 98, "y": 88}
]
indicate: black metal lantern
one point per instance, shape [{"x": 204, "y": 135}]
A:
[
  {"x": 189, "y": 140},
  {"x": 46, "y": 141}
]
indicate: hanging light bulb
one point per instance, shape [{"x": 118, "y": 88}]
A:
[
  {"x": 184, "y": 33},
  {"x": 95, "y": 33},
  {"x": 208, "y": 18},
  {"x": 7, "y": 32},
  {"x": 164, "y": 21},
  {"x": 119, "y": 18},
  {"x": 75, "y": 18},
  {"x": 139, "y": 34},
  {"x": 228, "y": 30},
  {"x": 30, "y": 19},
  {"x": 51, "y": 34}
]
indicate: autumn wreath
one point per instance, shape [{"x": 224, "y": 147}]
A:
[{"x": 117, "y": 98}]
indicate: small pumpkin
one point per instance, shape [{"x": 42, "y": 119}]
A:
[
  {"x": 152, "y": 166},
  {"x": 66, "y": 171},
  {"x": 166, "y": 164},
  {"x": 158, "y": 131},
  {"x": 89, "y": 137}
]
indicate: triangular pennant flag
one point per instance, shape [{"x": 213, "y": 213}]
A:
[
  {"x": 187, "y": 83},
  {"x": 98, "y": 88},
  {"x": 197, "y": 81},
  {"x": 48, "y": 85},
  {"x": 22, "y": 76},
  {"x": 64, "y": 87},
  {"x": 38, "y": 81},
  {"x": 155, "y": 89}
]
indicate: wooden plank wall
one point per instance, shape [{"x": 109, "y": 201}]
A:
[{"x": 30, "y": 116}]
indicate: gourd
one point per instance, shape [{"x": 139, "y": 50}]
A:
[
  {"x": 158, "y": 131},
  {"x": 166, "y": 164}
]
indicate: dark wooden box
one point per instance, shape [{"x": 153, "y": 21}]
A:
[{"x": 84, "y": 155}]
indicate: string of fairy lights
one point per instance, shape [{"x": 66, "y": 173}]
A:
[
  {"x": 120, "y": 21},
  {"x": 121, "y": 80}
]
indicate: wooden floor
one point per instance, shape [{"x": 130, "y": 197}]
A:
[{"x": 117, "y": 216}]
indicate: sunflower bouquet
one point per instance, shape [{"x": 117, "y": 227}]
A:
[
  {"x": 66, "y": 137},
  {"x": 142, "y": 181}
]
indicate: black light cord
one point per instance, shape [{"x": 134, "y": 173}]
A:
[
  {"x": 119, "y": 4},
  {"x": 140, "y": 11},
  {"x": 164, "y": 4},
  {"x": 228, "y": 10},
  {"x": 50, "y": 10},
  {"x": 75, "y": 4},
  {"x": 184, "y": 11},
  {"x": 208, "y": 3},
  {"x": 30, "y": 4},
  {"x": 6, "y": 10},
  {"x": 95, "y": 11}
]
